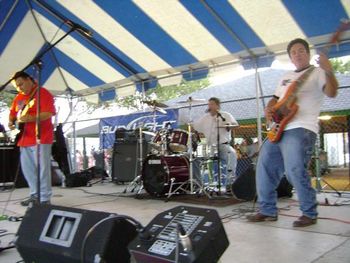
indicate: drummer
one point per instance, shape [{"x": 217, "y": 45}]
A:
[{"x": 207, "y": 125}]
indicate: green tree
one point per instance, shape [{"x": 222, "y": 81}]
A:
[
  {"x": 6, "y": 98},
  {"x": 174, "y": 91},
  {"x": 340, "y": 66},
  {"x": 163, "y": 94}
]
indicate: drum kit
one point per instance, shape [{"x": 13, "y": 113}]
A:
[{"x": 168, "y": 169}]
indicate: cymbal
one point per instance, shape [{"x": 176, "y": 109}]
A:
[
  {"x": 230, "y": 126},
  {"x": 191, "y": 100},
  {"x": 160, "y": 110},
  {"x": 155, "y": 103},
  {"x": 149, "y": 133}
]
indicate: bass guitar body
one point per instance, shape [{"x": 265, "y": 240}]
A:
[
  {"x": 20, "y": 128},
  {"x": 284, "y": 110}
]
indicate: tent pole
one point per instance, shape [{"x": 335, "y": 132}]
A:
[
  {"x": 8, "y": 15},
  {"x": 257, "y": 90},
  {"x": 74, "y": 134},
  {"x": 85, "y": 159}
]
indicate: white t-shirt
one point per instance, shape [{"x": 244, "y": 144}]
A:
[
  {"x": 208, "y": 126},
  {"x": 309, "y": 98}
]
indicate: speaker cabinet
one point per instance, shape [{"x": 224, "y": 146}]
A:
[
  {"x": 244, "y": 187},
  {"x": 125, "y": 166},
  {"x": 10, "y": 166},
  {"x": 55, "y": 234}
]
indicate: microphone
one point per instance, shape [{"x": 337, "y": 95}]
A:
[
  {"x": 207, "y": 110},
  {"x": 220, "y": 115},
  {"x": 184, "y": 238},
  {"x": 79, "y": 28}
]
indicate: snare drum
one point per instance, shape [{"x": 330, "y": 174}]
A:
[{"x": 157, "y": 172}]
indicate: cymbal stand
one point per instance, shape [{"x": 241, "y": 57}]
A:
[
  {"x": 137, "y": 182},
  {"x": 191, "y": 181},
  {"x": 154, "y": 128}
]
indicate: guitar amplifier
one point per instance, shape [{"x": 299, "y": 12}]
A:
[
  {"x": 10, "y": 166},
  {"x": 205, "y": 235},
  {"x": 125, "y": 163}
]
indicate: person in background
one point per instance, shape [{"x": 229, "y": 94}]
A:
[{"x": 208, "y": 126}]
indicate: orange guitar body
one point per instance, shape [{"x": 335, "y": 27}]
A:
[{"x": 284, "y": 111}]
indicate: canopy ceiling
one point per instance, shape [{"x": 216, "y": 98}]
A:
[{"x": 137, "y": 43}]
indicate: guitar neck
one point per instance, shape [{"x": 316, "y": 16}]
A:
[{"x": 344, "y": 25}]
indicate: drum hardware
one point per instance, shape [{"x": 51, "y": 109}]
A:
[
  {"x": 191, "y": 181},
  {"x": 154, "y": 103},
  {"x": 137, "y": 182},
  {"x": 190, "y": 101},
  {"x": 149, "y": 133}
]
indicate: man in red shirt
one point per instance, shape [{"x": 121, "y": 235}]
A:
[{"x": 24, "y": 112}]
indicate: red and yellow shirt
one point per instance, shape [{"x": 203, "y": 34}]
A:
[{"x": 28, "y": 137}]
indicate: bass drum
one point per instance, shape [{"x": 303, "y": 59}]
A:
[{"x": 157, "y": 172}]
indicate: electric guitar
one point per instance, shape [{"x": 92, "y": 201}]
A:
[
  {"x": 285, "y": 109},
  {"x": 21, "y": 125}
]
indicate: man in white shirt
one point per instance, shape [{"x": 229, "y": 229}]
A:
[
  {"x": 291, "y": 154},
  {"x": 208, "y": 125}
]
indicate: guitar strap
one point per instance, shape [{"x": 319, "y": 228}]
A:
[
  {"x": 30, "y": 98},
  {"x": 303, "y": 77}
]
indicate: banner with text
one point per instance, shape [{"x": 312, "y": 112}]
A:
[{"x": 108, "y": 126}]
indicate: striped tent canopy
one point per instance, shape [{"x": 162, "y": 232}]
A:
[{"x": 137, "y": 44}]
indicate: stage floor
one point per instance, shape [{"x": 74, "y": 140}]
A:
[{"x": 268, "y": 242}]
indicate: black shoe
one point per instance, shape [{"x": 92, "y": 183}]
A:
[
  {"x": 28, "y": 201},
  {"x": 261, "y": 218},
  {"x": 304, "y": 221}
]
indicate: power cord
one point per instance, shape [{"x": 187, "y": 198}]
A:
[{"x": 3, "y": 233}]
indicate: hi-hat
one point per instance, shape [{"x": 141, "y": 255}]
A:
[
  {"x": 159, "y": 109},
  {"x": 149, "y": 133},
  {"x": 155, "y": 103},
  {"x": 191, "y": 100}
]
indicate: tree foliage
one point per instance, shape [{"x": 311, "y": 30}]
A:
[
  {"x": 174, "y": 91},
  {"x": 6, "y": 98},
  {"x": 340, "y": 66},
  {"x": 162, "y": 94}
]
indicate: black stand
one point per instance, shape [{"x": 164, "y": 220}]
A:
[
  {"x": 38, "y": 67},
  {"x": 348, "y": 130},
  {"x": 219, "y": 154},
  {"x": 319, "y": 179}
]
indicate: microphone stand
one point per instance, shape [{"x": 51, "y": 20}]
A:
[
  {"x": 36, "y": 62},
  {"x": 40, "y": 55},
  {"x": 218, "y": 115},
  {"x": 38, "y": 67},
  {"x": 219, "y": 157}
]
